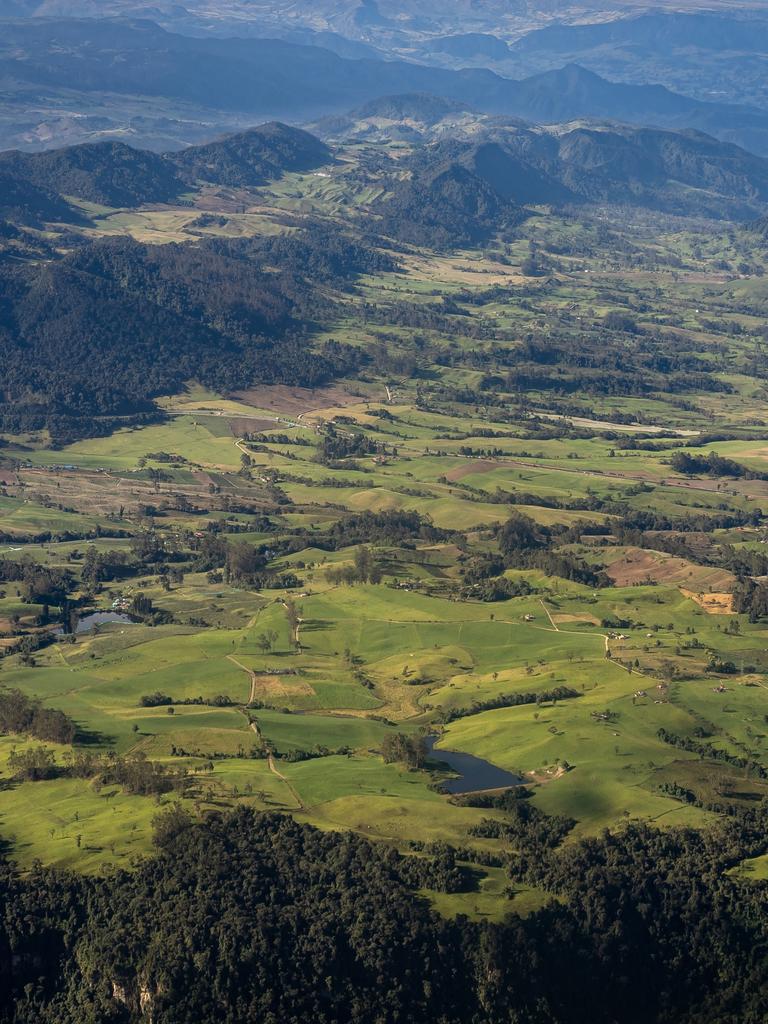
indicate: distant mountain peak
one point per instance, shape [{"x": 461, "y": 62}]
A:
[{"x": 417, "y": 106}]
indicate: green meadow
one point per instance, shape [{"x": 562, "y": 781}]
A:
[{"x": 283, "y": 690}]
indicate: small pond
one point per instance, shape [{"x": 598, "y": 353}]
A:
[
  {"x": 475, "y": 774},
  {"x": 87, "y": 622}
]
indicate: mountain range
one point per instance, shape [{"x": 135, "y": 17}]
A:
[
  {"x": 453, "y": 187},
  {"x": 494, "y": 173},
  {"x": 712, "y": 56},
  {"x": 75, "y": 79}
]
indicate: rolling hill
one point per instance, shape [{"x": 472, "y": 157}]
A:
[
  {"x": 444, "y": 205},
  {"x": 113, "y": 174},
  {"x": 109, "y": 173},
  {"x": 253, "y": 157}
]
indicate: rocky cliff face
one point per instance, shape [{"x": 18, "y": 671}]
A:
[{"x": 137, "y": 996}]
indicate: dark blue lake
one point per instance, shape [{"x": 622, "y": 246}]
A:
[{"x": 474, "y": 773}]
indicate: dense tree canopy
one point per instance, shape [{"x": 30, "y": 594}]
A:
[
  {"x": 114, "y": 324},
  {"x": 249, "y": 917}
]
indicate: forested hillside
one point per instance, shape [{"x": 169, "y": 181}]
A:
[
  {"x": 247, "y": 916},
  {"x": 116, "y": 323},
  {"x": 253, "y": 157},
  {"x": 108, "y": 172}
]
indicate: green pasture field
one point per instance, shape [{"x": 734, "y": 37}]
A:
[
  {"x": 181, "y": 435},
  {"x": 493, "y": 899},
  {"x": 28, "y": 518},
  {"x": 371, "y": 660},
  {"x": 614, "y": 759}
]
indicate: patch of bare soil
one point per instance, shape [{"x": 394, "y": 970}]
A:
[
  {"x": 638, "y": 566},
  {"x": 279, "y": 686},
  {"x": 247, "y": 425},
  {"x": 293, "y": 401},
  {"x": 549, "y": 775},
  {"x": 715, "y": 604}
]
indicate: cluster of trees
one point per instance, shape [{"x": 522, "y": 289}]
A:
[
  {"x": 711, "y": 753},
  {"x": 595, "y": 361},
  {"x": 395, "y": 527},
  {"x": 244, "y": 564},
  {"x": 162, "y": 700},
  {"x": 335, "y": 446},
  {"x": 497, "y": 589},
  {"x": 135, "y": 773},
  {"x": 642, "y": 520},
  {"x": 566, "y": 379},
  {"x": 525, "y": 825},
  {"x": 365, "y": 569},
  {"x": 750, "y": 598},
  {"x": 41, "y": 584},
  {"x": 34, "y": 764},
  {"x": 143, "y": 609},
  {"x": 483, "y": 580},
  {"x": 712, "y": 465},
  {"x": 507, "y": 700},
  {"x": 21, "y": 715},
  {"x": 526, "y": 545},
  {"x": 105, "y": 567},
  {"x": 401, "y": 748}
]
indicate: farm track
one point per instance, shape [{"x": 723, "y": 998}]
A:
[
  {"x": 251, "y": 673},
  {"x": 273, "y": 767},
  {"x": 549, "y": 616},
  {"x": 276, "y": 771},
  {"x": 606, "y": 641}
]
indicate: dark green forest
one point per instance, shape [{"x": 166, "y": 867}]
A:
[
  {"x": 254, "y": 917},
  {"x": 112, "y": 325}
]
